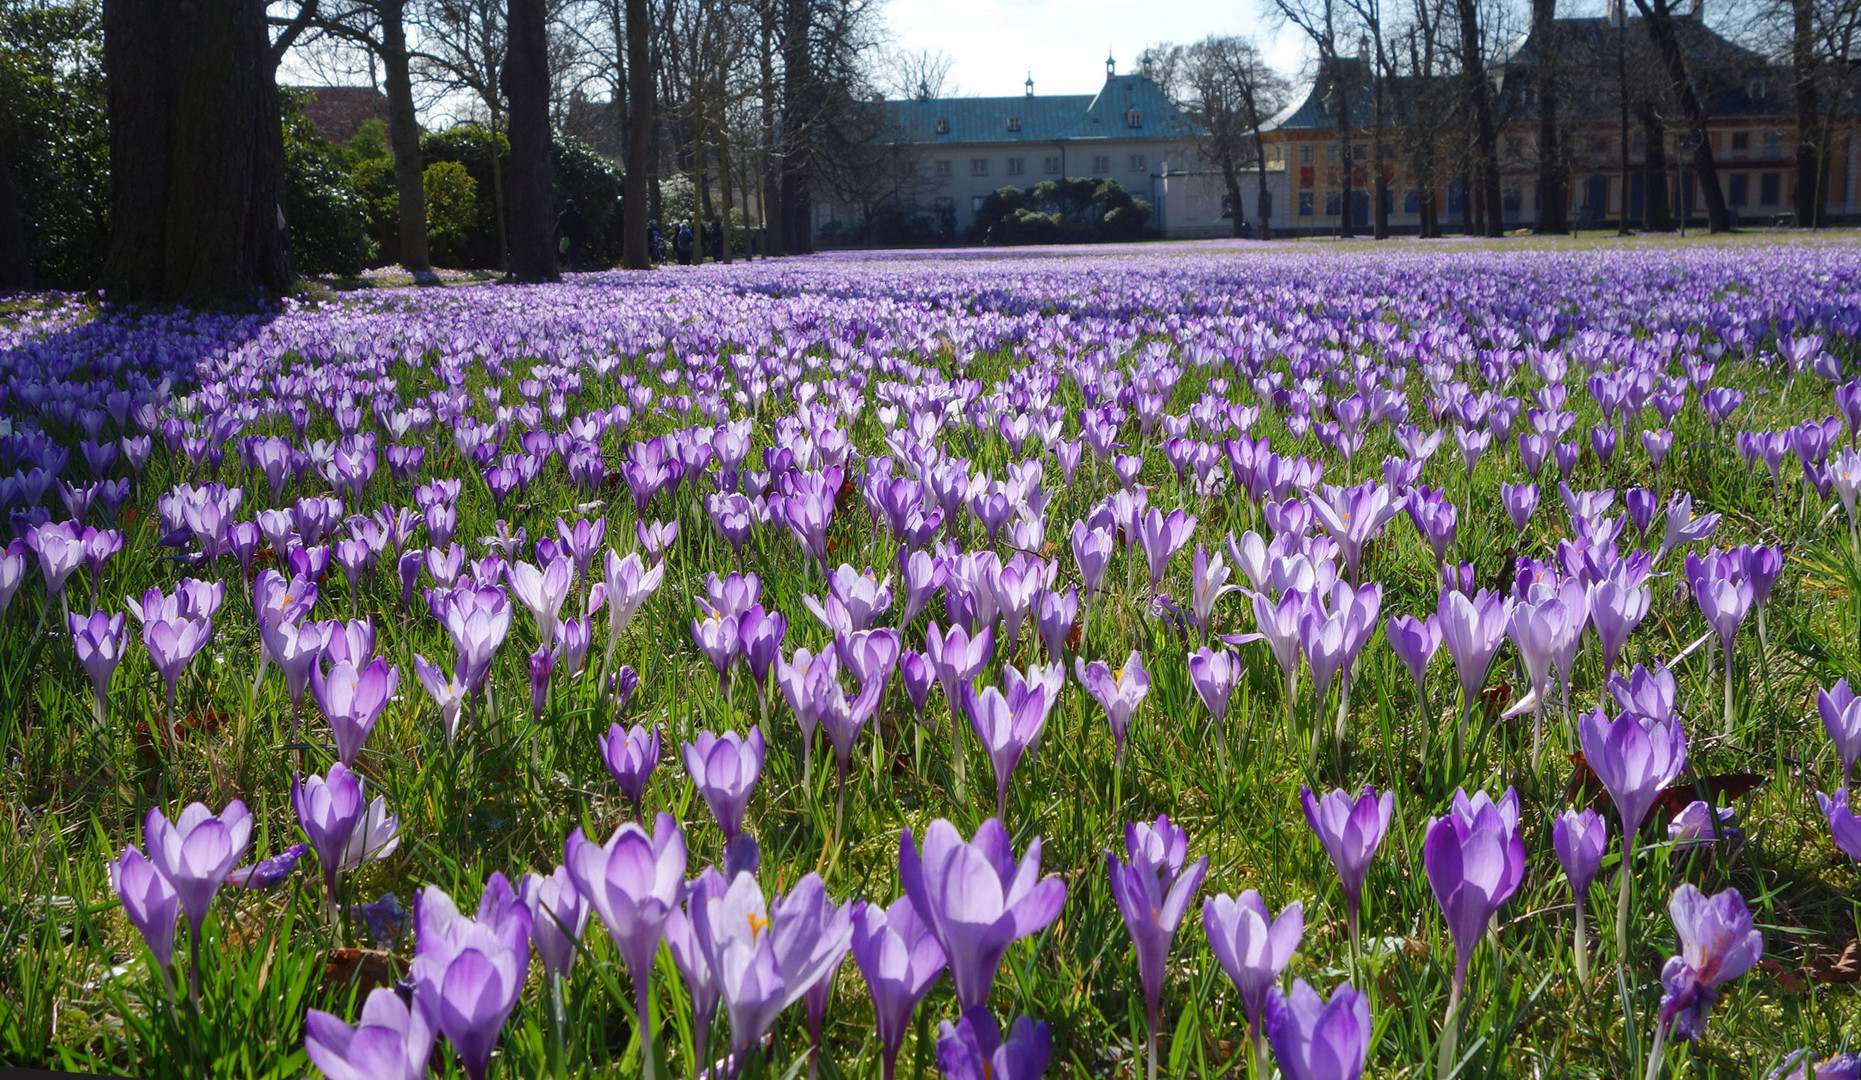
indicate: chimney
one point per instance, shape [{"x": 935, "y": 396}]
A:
[{"x": 1615, "y": 12}]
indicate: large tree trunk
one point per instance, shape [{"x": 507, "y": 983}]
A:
[
  {"x": 15, "y": 267},
  {"x": 1553, "y": 199},
  {"x": 404, "y": 136},
  {"x": 526, "y": 81},
  {"x": 1808, "y": 106},
  {"x": 640, "y": 118},
  {"x": 1667, "y": 41},
  {"x": 196, "y": 152},
  {"x": 1483, "y": 139},
  {"x": 798, "y": 96},
  {"x": 1656, "y": 213},
  {"x": 771, "y": 197}
]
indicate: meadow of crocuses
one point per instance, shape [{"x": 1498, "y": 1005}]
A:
[{"x": 1420, "y": 663}]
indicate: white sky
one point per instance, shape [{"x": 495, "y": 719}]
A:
[{"x": 995, "y": 43}]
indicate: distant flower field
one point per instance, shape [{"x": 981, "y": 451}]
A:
[{"x": 1430, "y": 662}]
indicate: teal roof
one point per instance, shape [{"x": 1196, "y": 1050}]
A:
[{"x": 1054, "y": 118}]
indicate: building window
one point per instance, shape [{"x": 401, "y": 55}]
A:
[
  {"x": 975, "y": 203},
  {"x": 1014, "y": 166},
  {"x": 1768, "y": 187},
  {"x": 943, "y": 169},
  {"x": 1014, "y": 123},
  {"x": 1757, "y": 89},
  {"x": 1331, "y": 152},
  {"x": 1741, "y": 141},
  {"x": 944, "y": 205},
  {"x": 1134, "y": 118},
  {"x": 1773, "y": 144},
  {"x": 1051, "y": 166},
  {"x": 1101, "y": 163},
  {"x": 1305, "y": 204},
  {"x": 943, "y": 125},
  {"x": 1306, "y": 155},
  {"x": 1412, "y": 201},
  {"x": 979, "y": 166},
  {"x": 1600, "y": 145},
  {"x": 1227, "y": 207},
  {"x": 1138, "y": 164},
  {"x": 1333, "y": 204},
  {"x": 1740, "y": 189}
]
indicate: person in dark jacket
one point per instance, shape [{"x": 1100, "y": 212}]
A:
[
  {"x": 572, "y": 230},
  {"x": 655, "y": 242},
  {"x": 714, "y": 241},
  {"x": 682, "y": 243}
]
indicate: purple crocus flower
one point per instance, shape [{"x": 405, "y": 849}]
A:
[
  {"x": 1616, "y": 608},
  {"x": 916, "y": 672},
  {"x": 1092, "y": 552},
  {"x": 1318, "y": 1040},
  {"x": 1472, "y": 628},
  {"x": 1162, "y": 537},
  {"x": 629, "y": 582},
  {"x": 1802, "y": 1065},
  {"x": 99, "y": 640},
  {"x": 1213, "y": 674},
  {"x": 633, "y": 882},
  {"x": 391, "y": 1041},
  {"x": 558, "y": 914},
  {"x": 1354, "y": 516},
  {"x": 1475, "y": 860},
  {"x": 900, "y": 961},
  {"x": 765, "y": 958},
  {"x": 1580, "y": 840},
  {"x": 1153, "y": 893},
  {"x": 759, "y": 642},
  {"x": 150, "y": 901},
  {"x": 1841, "y": 717},
  {"x": 1254, "y": 949},
  {"x": 797, "y": 677},
  {"x": 688, "y": 956},
  {"x": 976, "y": 899},
  {"x": 631, "y": 755},
  {"x": 1717, "y": 944},
  {"x": 352, "y": 697},
  {"x": 1635, "y": 757},
  {"x": 1119, "y": 691},
  {"x": 716, "y": 635},
  {"x": 1843, "y": 825},
  {"x": 973, "y": 1049},
  {"x": 1520, "y": 501},
  {"x": 1007, "y": 724},
  {"x": 467, "y": 973},
  {"x": 1351, "y": 831},
  {"x": 725, "y": 769},
  {"x": 923, "y": 576},
  {"x": 196, "y": 851},
  {"x": 343, "y": 828},
  {"x": 814, "y": 1001},
  {"x": 1415, "y": 642}
]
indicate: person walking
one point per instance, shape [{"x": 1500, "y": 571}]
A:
[
  {"x": 682, "y": 243},
  {"x": 654, "y": 242},
  {"x": 572, "y": 234}
]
